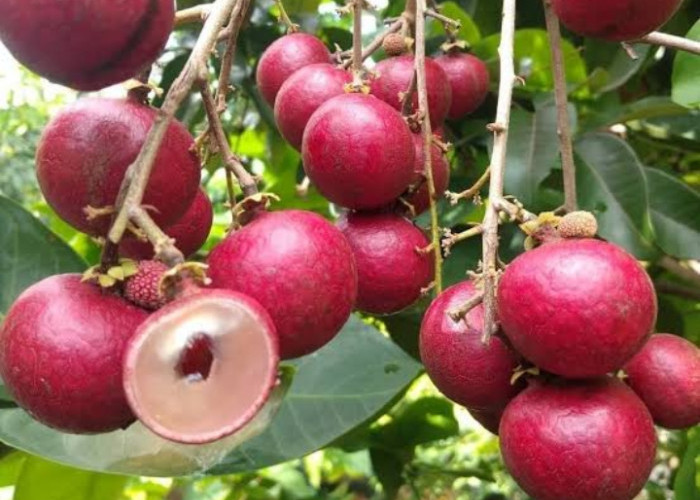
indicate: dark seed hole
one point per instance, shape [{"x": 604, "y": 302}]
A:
[{"x": 196, "y": 359}]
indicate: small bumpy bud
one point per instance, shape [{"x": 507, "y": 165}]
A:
[
  {"x": 578, "y": 224},
  {"x": 143, "y": 288},
  {"x": 395, "y": 44}
]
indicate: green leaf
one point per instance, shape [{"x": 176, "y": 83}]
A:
[
  {"x": 687, "y": 483},
  {"x": 335, "y": 389},
  {"x": 612, "y": 65},
  {"x": 135, "y": 450},
  {"x": 43, "y": 480},
  {"x": 674, "y": 214},
  {"x": 686, "y": 74},
  {"x": 532, "y": 152},
  {"x": 533, "y": 60},
  {"x": 468, "y": 31},
  {"x": 611, "y": 183},
  {"x": 30, "y": 252}
]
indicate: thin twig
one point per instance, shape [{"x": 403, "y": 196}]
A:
[
  {"x": 459, "y": 313},
  {"x": 679, "y": 269},
  {"x": 452, "y": 239},
  {"x": 424, "y": 113},
  {"x": 237, "y": 17},
  {"x": 407, "y": 96},
  {"x": 245, "y": 180},
  {"x": 196, "y": 14},
  {"x": 671, "y": 41},
  {"x": 472, "y": 192},
  {"x": 447, "y": 21},
  {"x": 134, "y": 183},
  {"x": 560, "y": 97},
  {"x": 498, "y": 164},
  {"x": 356, "y": 6},
  {"x": 375, "y": 44},
  {"x": 164, "y": 245},
  {"x": 291, "y": 27},
  {"x": 686, "y": 292}
]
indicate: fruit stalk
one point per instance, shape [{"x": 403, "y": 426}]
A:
[
  {"x": 136, "y": 178},
  {"x": 671, "y": 41},
  {"x": 195, "y": 14},
  {"x": 291, "y": 27},
  {"x": 356, "y": 6},
  {"x": 560, "y": 98},
  {"x": 237, "y": 17},
  {"x": 375, "y": 44},
  {"x": 497, "y": 168},
  {"x": 424, "y": 112}
]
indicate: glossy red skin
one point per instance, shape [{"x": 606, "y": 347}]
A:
[
  {"x": 459, "y": 364},
  {"x": 394, "y": 76},
  {"x": 189, "y": 233},
  {"x": 358, "y": 152},
  {"x": 299, "y": 267},
  {"x": 86, "y": 148},
  {"x": 469, "y": 80},
  {"x": 578, "y": 308},
  {"x": 302, "y": 94},
  {"x": 86, "y": 44},
  {"x": 665, "y": 374},
  {"x": 61, "y": 350},
  {"x": 390, "y": 272},
  {"x": 581, "y": 440},
  {"x": 285, "y": 56},
  {"x": 420, "y": 199},
  {"x": 615, "y": 20}
]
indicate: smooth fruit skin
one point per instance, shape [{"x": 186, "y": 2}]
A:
[
  {"x": 489, "y": 420},
  {"x": 578, "y": 308},
  {"x": 394, "y": 76},
  {"x": 201, "y": 367},
  {"x": 615, "y": 20},
  {"x": 579, "y": 440},
  {"x": 420, "y": 198},
  {"x": 665, "y": 374},
  {"x": 302, "y": 94},
  {"x": 61, "y": 350},
  {"x": 460, "y": 365},
  {"x": 469, "y": 80},
  {"x": 299, "y": 267},
  {"x": 390, "y": 271},
  {"x": 86, "y": 148},
  {"x": 189, "y": 233},
  {"x": 86, "y": 44},
  {"x": 358, "y": 152},
  {"x": 285, "y": 56}
]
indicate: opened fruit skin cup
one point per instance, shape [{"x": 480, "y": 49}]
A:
[{"x": 202, "y": 367}]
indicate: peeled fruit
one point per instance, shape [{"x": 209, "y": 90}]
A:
[
  {"x": 299, "y": 267},
  {"x": 143, "y": 288},
  {"x": 61, "y": 350},
  {"x": 86, "y": 149},
  {"x": 358, "y": 152},
  {"x": 201, "y": 367},
  {"x": 579, "y": 440},
  {"x": 665, "y": 374},
  {"x": 461, "y": 366},
  {"x": 391, "y": 272},
  {"x": 285, "y": 56},
  {"x": 302, "y": 94},
  {"x": 189, "y": 233},
  {"x": 615, "y": 20},
  {"x": 578, "y": 308},
  {"x": 420, "y": 198},
  {"x": 86, "y": 44},
  {"x": 394, "y": 76},
  {"x": 469, "y": 81}
]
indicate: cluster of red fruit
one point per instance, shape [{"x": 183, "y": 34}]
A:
[
  {"x": 362, "y": 155},
  {"x": 579, "y": 309}
]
